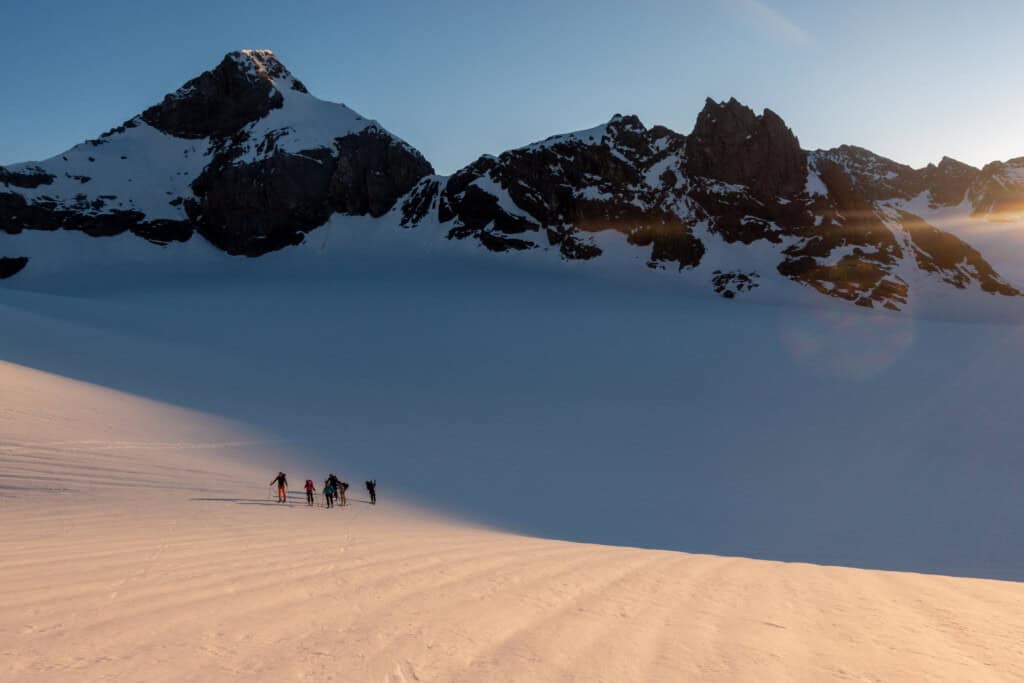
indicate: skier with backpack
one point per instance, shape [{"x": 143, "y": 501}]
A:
[
  {"x": 371, "y": 486},
  {"x": 310, "y": 490},
  {"x": 329, "y": 493},
  {"x": 342, "y": 488},
  {"x": 282, "y": 486},
  {"x": 335, "y": 484}
]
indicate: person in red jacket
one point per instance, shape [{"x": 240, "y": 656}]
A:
[{"x": 310, "y": 490}]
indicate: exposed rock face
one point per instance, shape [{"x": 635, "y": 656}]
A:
[
  {"x": 729, "y": 283},
  {"x": 732, "y": 144},
  {"x": 252, "y": 163},
  {"x": 836, "y": 219},
  {"x": 10, "y": 266},
  {"x": 948, "y": 182},
  {"x": 254, "y": 208},
  {"x": 219, "y": 102},
  {"x": 16, "y": 215},
  {"x": 560, "y": 191},
  {"x": 262, "y": 206},
  {"x": 372, "y": 171},
  {"x": 28, "y": 179},
  {"x": 998, "y": 191},
  {"x": 866, "y": 175}
]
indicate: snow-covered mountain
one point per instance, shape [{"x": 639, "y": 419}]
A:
[
  {"x": 244, "y": 156},
  {"x": 846, "y": 222}
]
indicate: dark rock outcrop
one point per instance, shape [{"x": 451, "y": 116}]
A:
[
  {"x": 998, "y": 191},
  {"x": 562, "y": 190},
  {"x": 219, "y": 102},
  {"x": 259, "y": 207},
  {"x": 16, "y": 215},
  {"x": 254, "y": 208},
  {"x": 732, "y": 144},
  {"x": 420, "y": 202},
  {"x": 372, "y": 171},
  {"x": 728, "y": 284},
  {"x": 12, "y": 265},
  {"x": 869, "y": 176},
  {"x": 26, "y": 180},
  {"x": 948, "y": 182}
]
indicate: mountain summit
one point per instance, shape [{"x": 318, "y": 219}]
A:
[
  {"x": 241, "y": 154},
  {"x": 244, "y": 156},
  {"x": 246, "y": 86},
  {"x": 731, "y": 143}
]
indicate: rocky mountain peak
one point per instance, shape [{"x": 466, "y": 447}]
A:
[
  {"x": 264, "y": 65},
  {"x": 731, "y": 115},
  {"x": 732, "y": 144},
  {"x": 243, "y": 88},
  {"x": 998, "y": 191},
  {"x": 259, "y": 64},
  {"x": 626, "y": 122},
  {"x": 951, "y": 164},
  {"x": 247, "y": 158},
  {"x": 948, "y": 181}
]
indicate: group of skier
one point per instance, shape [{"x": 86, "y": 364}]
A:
[{"x": 334, "y": 490}]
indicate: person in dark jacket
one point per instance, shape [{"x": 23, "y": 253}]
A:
[
  {"x": 371, "y": 486},
  {"x": 282, "y": 486},
  {"x": 335, "y": 484},
  {"x": 329, "y": 493}
]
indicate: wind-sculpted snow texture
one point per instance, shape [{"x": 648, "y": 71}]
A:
[
  {"x": 140, "y": 543},
  {"x": 244, "y": 156}
]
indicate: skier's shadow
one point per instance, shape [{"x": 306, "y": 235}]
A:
[
  {"x": 244, "y": 501},
  {"x": 271, "y": 503}
]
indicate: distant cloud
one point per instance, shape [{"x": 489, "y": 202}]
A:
[{"x": 769, "y": 21}]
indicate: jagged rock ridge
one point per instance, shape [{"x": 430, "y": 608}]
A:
[
  {"x": 244, "y": 156},
  {"x": 838, "y": 219}
]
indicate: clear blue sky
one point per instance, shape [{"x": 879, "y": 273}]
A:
[{"x": 910, "y": 79}]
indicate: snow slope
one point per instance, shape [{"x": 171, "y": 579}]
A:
[
  {"x": 136, "y": 169},
  {"x": 563, "y": 403},
  {"x": 137, "y": 546},
  {"x": 1001, "y": 240}
]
